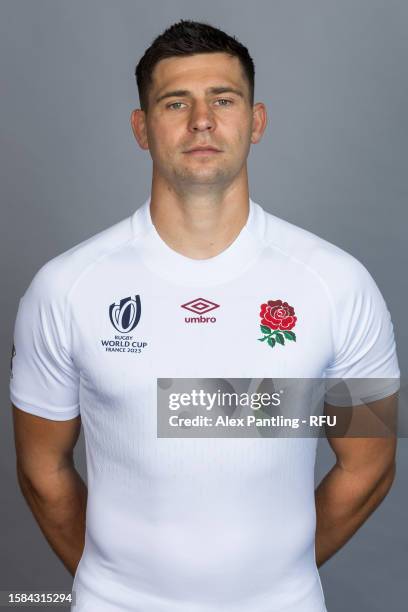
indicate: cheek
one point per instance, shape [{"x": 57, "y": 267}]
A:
[
  {"x": 166, "y": 141},
  {"x": 160, "y": 148},
  {"x": 242, "y": 135}
]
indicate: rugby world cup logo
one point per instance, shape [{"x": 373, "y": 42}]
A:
[{"x": 125, "y": 315}]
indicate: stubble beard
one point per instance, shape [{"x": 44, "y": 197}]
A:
[{"x": 205, "y": 173}]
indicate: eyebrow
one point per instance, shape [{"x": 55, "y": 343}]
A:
[{"x": 210, "y": 90}]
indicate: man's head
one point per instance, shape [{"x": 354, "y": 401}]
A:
[
  {"x": 196, "y": 88},
  {"x": 187, "y": 38}
]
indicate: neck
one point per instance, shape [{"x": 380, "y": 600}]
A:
[{"x": 199, "y": 225}]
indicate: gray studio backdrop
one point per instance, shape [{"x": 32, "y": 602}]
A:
[{"x": 333, "y": 160}]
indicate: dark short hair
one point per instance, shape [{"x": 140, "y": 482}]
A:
[{"x": 189, "y": 38}]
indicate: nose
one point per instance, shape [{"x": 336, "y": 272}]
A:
[{"x": 201, "y": 118}]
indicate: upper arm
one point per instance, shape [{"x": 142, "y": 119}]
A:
[
  {"x": 369, "y": 443},
  {"x": 363, "y": 376},
  {"x": 44, "y": 378},
  {"x": 43, "y": 445}
]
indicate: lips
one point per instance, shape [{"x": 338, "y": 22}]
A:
[{"x": 203, "y": 149}]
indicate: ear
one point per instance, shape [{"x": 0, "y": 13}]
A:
[
  {"x": 138, "y": 123},
  {"x": 259, "y": 121}
]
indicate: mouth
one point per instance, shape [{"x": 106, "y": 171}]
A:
[{"x": 202, "y": 151}]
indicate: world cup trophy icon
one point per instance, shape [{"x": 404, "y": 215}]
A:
[{"x": 125, "y": 315}]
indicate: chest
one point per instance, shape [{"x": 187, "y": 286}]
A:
[{"x": 130, "y": 329}]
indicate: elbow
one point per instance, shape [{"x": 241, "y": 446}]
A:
[
  {"x": 385, "y": 481},
  {"x": 380, "y": 481},
  {"x": 31, "y": 486},
  {"x": 25, "y": 484},
  {"x": 389, "y": 475}
]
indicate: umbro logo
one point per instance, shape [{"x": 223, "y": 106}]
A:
[{"x": 200, "y": 306}]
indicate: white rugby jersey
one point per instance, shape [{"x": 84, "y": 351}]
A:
[{"x": 194, "y": 525}]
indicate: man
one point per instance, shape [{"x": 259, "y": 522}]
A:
[{"x": 202, "y": 524}]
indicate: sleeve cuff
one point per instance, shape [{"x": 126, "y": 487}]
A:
[
  {"x": 357, "y": 391},
  {"x": 55, "y": 414}
]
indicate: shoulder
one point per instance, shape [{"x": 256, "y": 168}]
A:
[
  {"x": 336, "y": 268},
  {"x": 57, "y": 276}
]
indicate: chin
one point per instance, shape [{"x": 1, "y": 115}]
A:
[{"x": 203, "y": 174}]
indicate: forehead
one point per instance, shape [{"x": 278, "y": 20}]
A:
[{"x": 200, "y": 71}]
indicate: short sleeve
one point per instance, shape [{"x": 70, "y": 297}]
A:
[
  {"x": 364, "y": 360},
  {"x": 44, "y": 380}
]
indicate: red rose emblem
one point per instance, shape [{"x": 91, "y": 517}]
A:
[
  {"x": 277, "y": 319},
  {"x": 278, "y": 315}
]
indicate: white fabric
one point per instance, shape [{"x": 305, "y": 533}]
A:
[{"x": 194, "y": 525}]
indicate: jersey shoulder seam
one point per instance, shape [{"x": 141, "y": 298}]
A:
[
  {"x": 89, "y": 266},
  {"x": 271, "y": 244}
]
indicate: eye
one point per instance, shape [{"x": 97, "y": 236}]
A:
[
  {"x": 177, "y": 105},
  {"x": 173, "y": 103}
]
